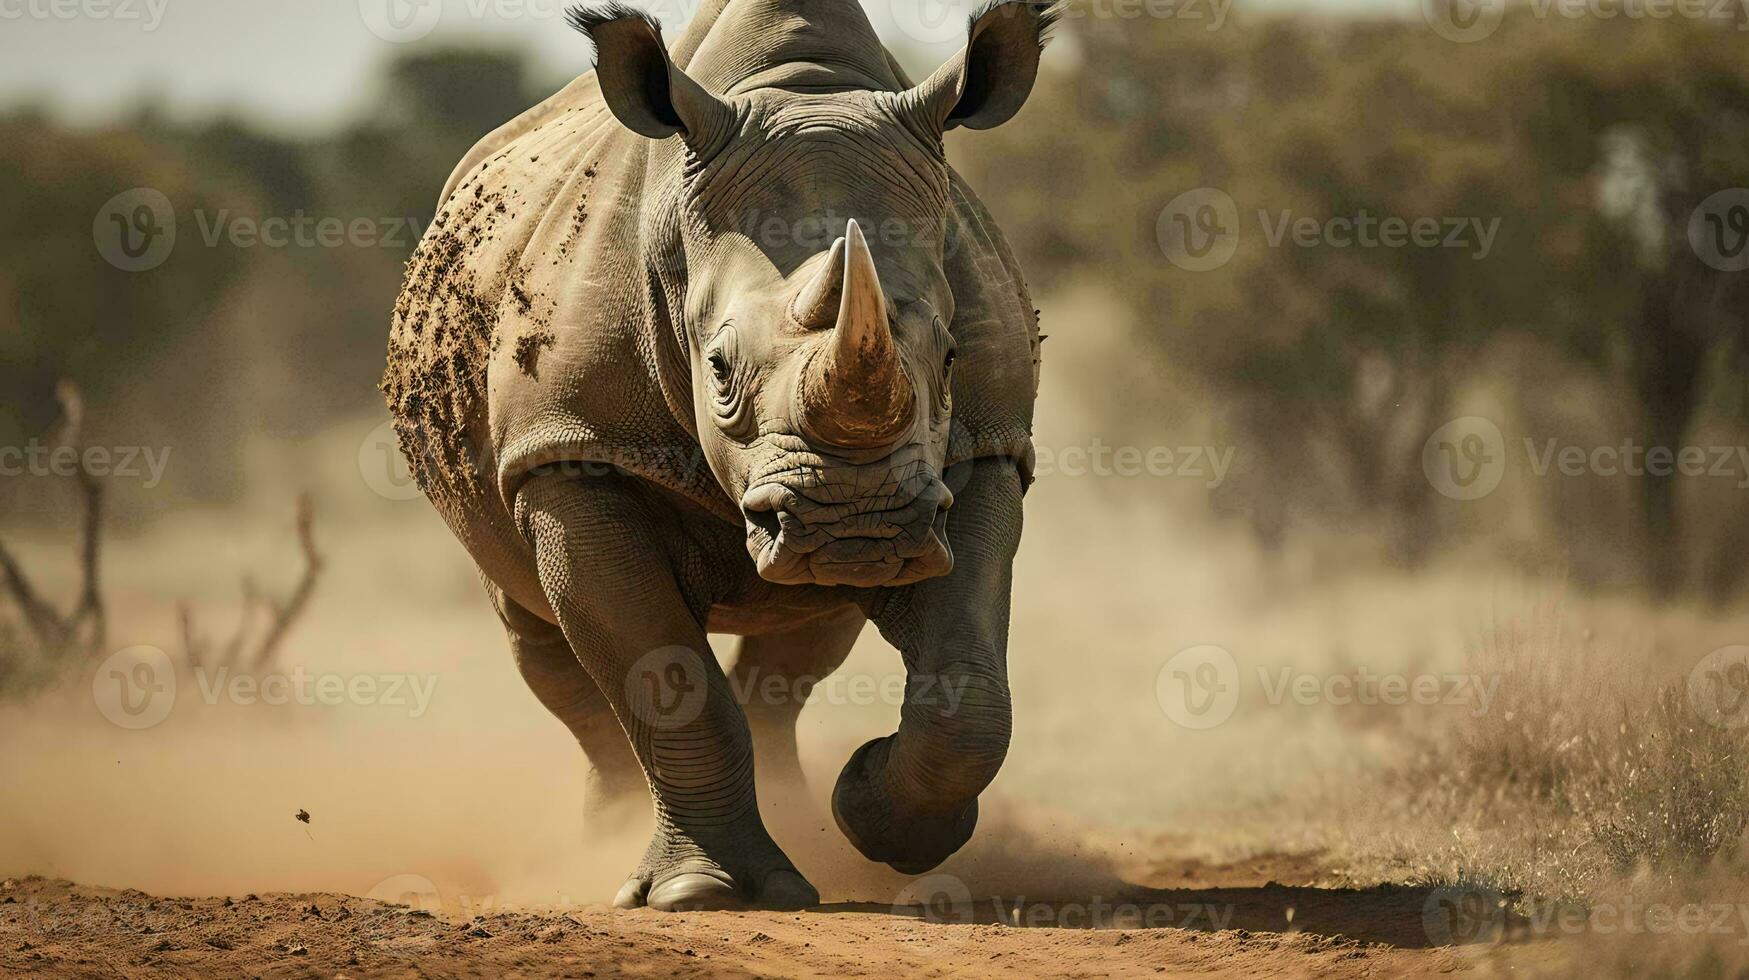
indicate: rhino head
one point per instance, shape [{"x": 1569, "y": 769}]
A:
[{"x": 798, "y": 207}]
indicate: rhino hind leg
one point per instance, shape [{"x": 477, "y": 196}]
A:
[
  {"x": 772, "y": 675},
  {"x": 615, "y": 793},
  {"x": 624, "y": 587}
]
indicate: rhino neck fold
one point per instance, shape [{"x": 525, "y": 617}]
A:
[{"x": 734, "y": 46}]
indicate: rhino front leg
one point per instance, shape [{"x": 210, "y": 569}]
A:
[
  {"x": 911, "y": 799},
  {"x": 773, "y": 675},
  {"x": 609, "y": 560},
  {"x": 615, "y": 791}
]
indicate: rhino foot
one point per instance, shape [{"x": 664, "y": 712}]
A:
[
  {"x": 757, "y": 877},
  {"x": 909, "y": 843}
]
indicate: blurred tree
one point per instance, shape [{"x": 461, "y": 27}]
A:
[
  {"x": 226, "y": 337},
  {"x": 1333, "y": 362},
  {"x": 1648, "y": 133},
  {"x": 65, "y": 310}
]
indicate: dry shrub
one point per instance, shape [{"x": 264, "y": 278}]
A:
[
  {"x": 1583, "y": 776},
  {"x": 1675, "y": 795}
]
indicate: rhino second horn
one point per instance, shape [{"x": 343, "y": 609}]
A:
[
  {"x": 856, "y": 394},
  {"x": 816, "y": 306}
]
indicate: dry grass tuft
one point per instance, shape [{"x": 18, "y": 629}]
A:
[{"x": 1587, "y": 786}]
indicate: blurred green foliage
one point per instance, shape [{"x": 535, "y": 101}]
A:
[
  {"x": 1591, "y": 141},
  {"x": 222, "y": 343}
]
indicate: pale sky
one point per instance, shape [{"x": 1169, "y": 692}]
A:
[{"x": 305, "y": 65}]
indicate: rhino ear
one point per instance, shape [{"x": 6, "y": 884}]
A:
[
  {"x": 986, "y": 83},
  {"x": 642, "y": 87}
]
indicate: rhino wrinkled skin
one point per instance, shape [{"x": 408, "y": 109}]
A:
[{"x": 713, "y": 340}]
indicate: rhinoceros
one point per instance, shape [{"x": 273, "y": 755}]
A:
[{"x": 714, "y": 340}]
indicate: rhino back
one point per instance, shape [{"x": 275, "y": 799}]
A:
[{"x": 522, "y": 335}]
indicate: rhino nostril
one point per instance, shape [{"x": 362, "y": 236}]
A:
[
  {"x": 764, "y": 520},
  {"x": 944, "y": 497}
]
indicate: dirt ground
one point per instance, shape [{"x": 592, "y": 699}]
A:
[{"x": 1232, "y": 921}]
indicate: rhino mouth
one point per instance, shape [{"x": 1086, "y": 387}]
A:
[{"x": 818, "y": 528}]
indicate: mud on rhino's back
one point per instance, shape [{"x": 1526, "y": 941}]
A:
[{"x": 518, "y": 335}]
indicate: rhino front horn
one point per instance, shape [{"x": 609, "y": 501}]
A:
[{"x": 854, "y": 393}]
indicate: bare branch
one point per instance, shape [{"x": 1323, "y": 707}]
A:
[
  {"x": 58, "y": 634},
  {"x": 281, "y": 616},
  {"x": 193, "y": 647},
  {"x": 285, "y": 615},
  {"x": 42, "y": 618},
  {"x": 245, "y": 616}
]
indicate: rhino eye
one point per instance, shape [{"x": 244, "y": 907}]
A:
[
  {"x": 720, "y": 357},
  {"x": 729, "y": 376}
]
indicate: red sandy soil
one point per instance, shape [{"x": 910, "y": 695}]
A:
[{"x": 54, "y": 928}]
